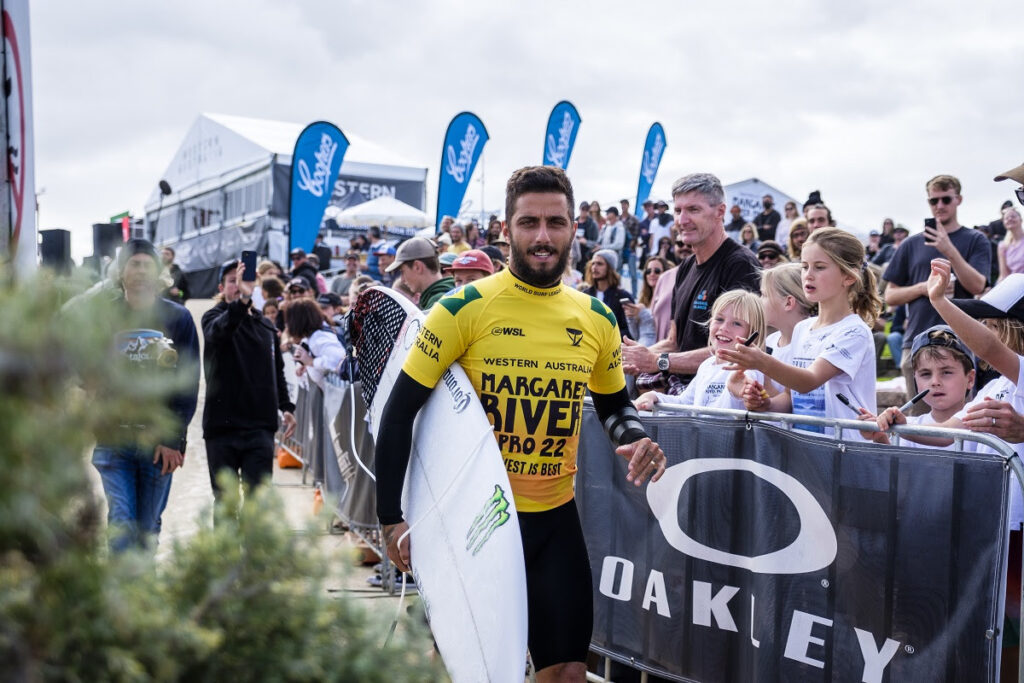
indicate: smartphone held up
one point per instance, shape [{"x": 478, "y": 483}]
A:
[{"x": 249, "y": 261}]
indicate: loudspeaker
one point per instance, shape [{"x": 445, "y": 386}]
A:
[
  {"x": 106, "y": 238},
  {"x": 56, "y": 250}
]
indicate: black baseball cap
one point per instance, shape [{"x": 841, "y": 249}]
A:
[
  {"x": 329, "y": 299},
  {"x": 941, "y": 336},
  {"x": 227, "y": 267},
  {"x": 299, "y": 282}
]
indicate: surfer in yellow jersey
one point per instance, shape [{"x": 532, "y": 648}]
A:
[{"x": 532, "y": 348}]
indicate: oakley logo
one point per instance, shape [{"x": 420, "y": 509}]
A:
[
  {"x": 575, "y": 336},
  {"x": 814, "y": 548}
]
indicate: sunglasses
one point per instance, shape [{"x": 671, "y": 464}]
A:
[
  {"x": 946, "y": 200},
  {"x": 1020, "y": 194},
  {"x": 659, "y": 271},
  {"x": 680, "y": 244},
  {"x": 767, "y": 257}
]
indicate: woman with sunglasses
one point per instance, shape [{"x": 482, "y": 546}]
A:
[{"x": 638, "y": 315}]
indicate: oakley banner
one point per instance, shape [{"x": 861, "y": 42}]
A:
[{"x": 767, "y": 555}]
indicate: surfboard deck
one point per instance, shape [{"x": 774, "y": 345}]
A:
[{"x": 467, "y": 554}]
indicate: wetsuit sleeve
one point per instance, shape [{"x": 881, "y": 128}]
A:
[
  {"x": 618, "y": 416},
  {"x": 394, "y": 444}
]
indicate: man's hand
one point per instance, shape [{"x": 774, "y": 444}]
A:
[
  {"x": 172, "y": 459},
  {"x": 288, "y": 421},
  {"x": 997, "y": 418},
  {"x": 938, "y": 281},
  {"x": 244, "y": 288},
  {"x": 398, "y": 555},
  {"x": 637, "y": 358},
  {"x": 942, "y": 242},
  {"x": 646, "y": 459}
]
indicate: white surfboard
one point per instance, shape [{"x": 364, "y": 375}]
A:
[{"x": 467, "y": 553}]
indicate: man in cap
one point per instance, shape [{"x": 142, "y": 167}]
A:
[
  {"x": 661, "y": 225},
  {"x": 417, "y": 264},
  {"x": 137, "y": 479},
  {"x": 770, "y": 254},
  {"x": 332, "y": 307},
  {"x": 244, "y": 395},
  {"x": 1016, "y": 174},
  {"x": 297, "y": 288},
  {"x": 470, "y": 266},
  {"x": 323, "y": 252},
  {"x": 301, "y": 267},
  {"x": 497, "y": 258},
  {"x": 385, "y": 260},
  {"x": 343, "y": 280}
]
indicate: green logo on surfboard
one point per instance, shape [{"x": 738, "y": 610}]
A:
[{"x": 493, "y": 515}]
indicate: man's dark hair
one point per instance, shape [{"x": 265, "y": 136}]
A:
[
  {"x": 612, "y": 209},
  {"x": 536, "y": 179},
  {"x": 272, "y": 287},
  {"x": 374, "y": 231},
  {"x": 828, "y": 211},
  {"x": 173, "y": 253},
  {"x": 431, "y": 263},
  {"x": 302, "y": 318}
]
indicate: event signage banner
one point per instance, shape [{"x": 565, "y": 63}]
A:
[
  {"x": 768, "y": 555},
  {"x": 19, "y": 238},
  {"x": 319, "y": 150},
  {"x": 463, "y": 143},
  {"x": 560, "y": 136},
  {"x": 654, "y": 148}
]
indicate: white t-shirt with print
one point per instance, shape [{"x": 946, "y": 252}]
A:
[
  {"x": 1003, "y": 389},
  {"x": 708, "y": 387},
  {"x": 849, "y": 346}
]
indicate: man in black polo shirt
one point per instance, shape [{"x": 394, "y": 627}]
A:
[
  {"x": 245, "y": 385},
  {"x": 718, "y": 265}
]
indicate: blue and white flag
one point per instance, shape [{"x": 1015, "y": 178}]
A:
[
  {"x": 316, "y": 160},
  {"x": 463, "y": 143},
  {"x": 563, "y": 124},
  {"x": 654, "y": 147}
]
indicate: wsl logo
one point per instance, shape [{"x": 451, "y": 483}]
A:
[
  {"x": 557, "y": 152},
  {"x": 315, "y": 183},
  {"x": 458, "y": 167},
  {"x": 814, "y": 548},
  {"x": 652, "y": 159}
]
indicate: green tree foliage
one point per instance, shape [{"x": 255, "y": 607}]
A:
[{"x": 244, "y": 601}]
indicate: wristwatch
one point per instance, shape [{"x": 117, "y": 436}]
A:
[{"x": 663, "y": 362}]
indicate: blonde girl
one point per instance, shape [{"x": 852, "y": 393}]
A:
[
  {"x": 833, "y": 352},
  {"x": 736, "y": 316}
]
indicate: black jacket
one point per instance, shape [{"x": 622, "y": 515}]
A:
[
  {"x": 612, "y": 300},
  {"x": 245, "y": 385},
  {"x": 306, "y": 271}
]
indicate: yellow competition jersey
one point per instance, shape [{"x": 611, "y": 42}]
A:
[{"x": 530, "y": 353}]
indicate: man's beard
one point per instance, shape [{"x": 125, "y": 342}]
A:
[{"x": 546, "y": 277}]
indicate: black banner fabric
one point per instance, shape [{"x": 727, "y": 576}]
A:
[{"x": 769, "y": 555}]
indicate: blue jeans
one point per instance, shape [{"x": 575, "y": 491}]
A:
[
  {"x": 136, "y": 495},
  {"x": 895, "y": 341}
]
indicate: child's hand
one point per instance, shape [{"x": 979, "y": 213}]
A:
[
  {"x": 877, "y": 437},
  {"x": 938, "y": 281},
  {"x": 646, "y": 401},
  {"x": 889, "y": 417},
  {"x": 741, "y": 357},
  {"x": 754, "y": 396}
]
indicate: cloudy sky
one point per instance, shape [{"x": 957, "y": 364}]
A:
[{"x": 863, "y": 100}]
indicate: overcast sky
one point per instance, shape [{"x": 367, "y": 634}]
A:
[{"x": 863, "y": 100}]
